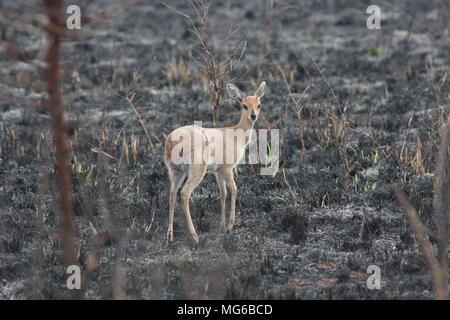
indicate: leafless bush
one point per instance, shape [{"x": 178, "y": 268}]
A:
[{"x": 216, "y": 63}]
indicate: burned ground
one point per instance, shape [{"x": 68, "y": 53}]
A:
[{"x": 299, "y": 234}]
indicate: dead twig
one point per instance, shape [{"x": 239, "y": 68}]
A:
[
  {"x": 293, "y": 195},
  {"x": 129, "y": 100},
  {"x": 97, "y": 150}
]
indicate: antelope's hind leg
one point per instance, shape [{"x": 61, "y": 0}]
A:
[
  {"x": 176, "y": 178},
  {"x": 196, "y": 174}
]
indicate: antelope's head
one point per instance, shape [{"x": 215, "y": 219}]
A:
[{"x": 251, "y": 105}]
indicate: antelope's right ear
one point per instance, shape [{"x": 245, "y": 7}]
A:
[
  {"x": 234, "y": 92},
  {"x": 261, "y": 90}
]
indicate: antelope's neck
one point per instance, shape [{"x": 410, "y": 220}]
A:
[{"x": 244, "y": 123}]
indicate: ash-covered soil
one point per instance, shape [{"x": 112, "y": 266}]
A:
[{"x": 298, "y": 234}]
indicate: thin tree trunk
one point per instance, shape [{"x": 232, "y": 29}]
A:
[
  {"x": 55, "y": 13},
  {"x": 216, "y": 108}
]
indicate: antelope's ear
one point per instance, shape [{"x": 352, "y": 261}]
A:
[
  {"x": 261, "y": 90},
  {"x": 234, "y": 92}
]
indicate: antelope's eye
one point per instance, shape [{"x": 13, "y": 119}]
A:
[
  {"x": 259, "y": 106},
  {"x": 244, "y": 106}
]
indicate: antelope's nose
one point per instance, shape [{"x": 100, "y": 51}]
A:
[{"x": 253, "y": 116}]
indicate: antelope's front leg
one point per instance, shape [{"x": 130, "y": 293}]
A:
[
  {"x": 229, "y": 179},
  {"x": 223, "y": 199}
]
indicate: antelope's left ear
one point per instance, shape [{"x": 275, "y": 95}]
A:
[
  {"x": 261, "y": 90},
  {"x": 234, "y": 92}
]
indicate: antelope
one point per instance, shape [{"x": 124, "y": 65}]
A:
[{"x": 217, "y": 149}]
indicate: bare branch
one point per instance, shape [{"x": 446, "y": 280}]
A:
[
  {"x": 129, "y": 100},
  {"x": 20, "y": 56}
]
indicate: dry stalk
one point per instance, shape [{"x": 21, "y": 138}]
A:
[
  {"x": 129, "y": 100},
  {"x": 338, "y": 127},
  {"x": 178, "y": 72},
  {"x": 293, "y": 195}
]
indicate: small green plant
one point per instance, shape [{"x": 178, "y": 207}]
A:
[
  {"x": 270, "y": 157},
  {"x": 91, "y": 296},
  {"x": 356, "y": 181},
  {"x": 370, "y": 187},
  {"x": 375, "y": 156},
  {"x": 79, "y": 168},
  {"x": 88, "y": 179},
  {"x": 85, "y": 173},
  {"x": 375, "y": 52},
  {"x": 337, "y": 183}
]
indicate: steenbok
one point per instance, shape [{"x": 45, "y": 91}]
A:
[{"x": 190, "y": 150}]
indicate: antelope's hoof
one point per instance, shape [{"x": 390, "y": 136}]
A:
[
  {"x": 195, "y": 239},
  {"x": 229, "y": 228}
]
